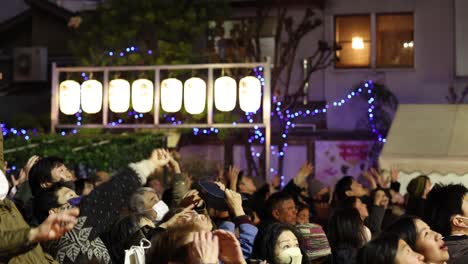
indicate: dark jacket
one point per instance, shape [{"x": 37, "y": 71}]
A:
[
  {"x": 125, "y": 233},
  {"x": 458, "y": 249},
  {"x": 344, "y": 255},
  {"x": 98, "y": 211},
  {"x": 376, "y": 216},
  {"x": 14, "y": 232}
]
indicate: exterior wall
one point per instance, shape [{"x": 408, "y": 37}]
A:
[{"x": 428, "y": 82}]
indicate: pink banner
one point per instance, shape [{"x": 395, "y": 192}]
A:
[{"x": 334, "y": 159}]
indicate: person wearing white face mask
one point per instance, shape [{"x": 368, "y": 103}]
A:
[
  {"x": 145, "y": 210},
  {"x": 447, "y": 213},
  {"x": 98, "y": 211},
  {"x": 277, "y": 243}
]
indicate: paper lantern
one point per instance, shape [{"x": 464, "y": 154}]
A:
[
  {"x": 142, "y": 95},
  {"x": 194, "y": 95},
  {"x": 69, "y": 97},
  {"x": 225, "y": 93},
  {"x": 119, "y": 95},
  {"x": 250, "y": 94},
  {"x": 91, "y": 96},
  {"x": 171, "y": 95}
]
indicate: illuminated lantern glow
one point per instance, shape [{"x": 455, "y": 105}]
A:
[
  {"x": 142, "y": 95},
  {"x": 69, "y": 97},
  {"x": 357, "y": 43},
  {"x": 250, "y": 94},
  {"x": 91, "y": 96},
  {"x": 194, "y": 95},
  {"x": 119, "y": 95},
  {"x": 171, "y": 95},
  {"x": 225, "y": 93}
]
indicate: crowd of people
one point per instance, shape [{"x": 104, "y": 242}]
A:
[{"x": 47, "y": 215}]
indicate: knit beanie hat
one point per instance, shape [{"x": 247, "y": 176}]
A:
[
  {"x": 313, "y": 241},
  {"x": 417, "y": 186},
  {"x": 315, "y": 186}
]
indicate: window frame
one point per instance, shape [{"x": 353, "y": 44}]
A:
[
  {"x": 373, "y": 49},
  {"x": 371, "y": 38}
]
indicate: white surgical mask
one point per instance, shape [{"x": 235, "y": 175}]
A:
[
  {"x": 4, "y": 186},
  {"x": 161, "y": 210},
  {"x": 290, "y": 256}
]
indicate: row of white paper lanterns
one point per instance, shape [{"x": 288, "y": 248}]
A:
[{"x": 142, "y": 93}]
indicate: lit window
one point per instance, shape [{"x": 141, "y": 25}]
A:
[
  {"x": 353, "y": 34},
  {"x": 395, "y": 43}
]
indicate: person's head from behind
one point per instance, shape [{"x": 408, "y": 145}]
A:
[
  {"x": 419, "y": 187},
  {"x": 48, "y": 171},
  {"x": 173, "y": 245},
  {"x": 282, "y": 208},
  {"x": 200, "y": 219},
  {"x": 348, "y": 187},
  {"x": 303, "y": 214},
  {"x": 346, "y": 229},
  {"x": 143, "y": 204},
  {"x": 155, "y": 182},
  {"x": 356, "y": 203},
  {"x": 55, "y": 199},
  {"x": 419, "y": 236},
  {"x": 388, "y": 249},
  {"x": 246, "y": 184},
  {"x": 278, "y": 243},
  {"x": 447, "y": 209},
  {"x": 318, "y": 190}
]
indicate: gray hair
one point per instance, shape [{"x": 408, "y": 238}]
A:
[{"x": 137, "y": 201}]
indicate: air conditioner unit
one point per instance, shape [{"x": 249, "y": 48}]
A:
[{"x": 30, "y": 64}]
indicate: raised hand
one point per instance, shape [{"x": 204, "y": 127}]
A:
[
  {"x": 380, "y": 178},
  {"x": 301, "y": 177},
  {"x": 394, "y": 173},
  {"x": 173, "y": 163},
  {"x": 185, "y": 216},
  {"x": 205, "y": 248},
  {"x": 31, "y": 162},
  {"x": 192, "y": 197},
  {"x": 21, "y": 179},
  {"x": 233, "y": 176},
  {"x": 276, "y": 181},
  {"x": 160, "y": 157},
  {"x": 370, "y": 178},
  {"x": 55, "y": 226},
  {"x": 234, "y": 202},
  {"x": 230, "y": 250}
]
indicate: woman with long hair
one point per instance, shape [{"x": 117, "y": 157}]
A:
[
  {"x": 419, "y": 236},
  {"x": 388, "y": 249},
  {"x": 346, "y": 234}
]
